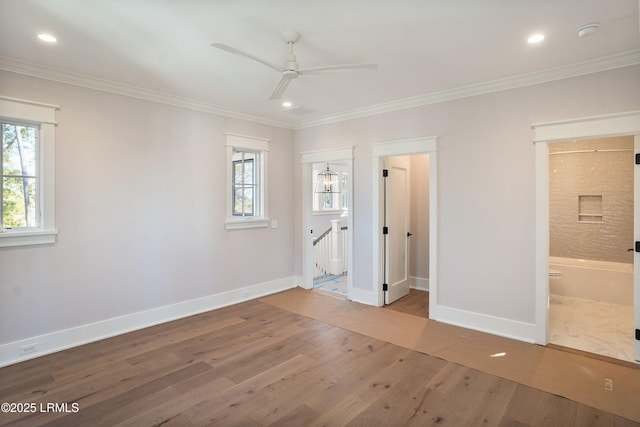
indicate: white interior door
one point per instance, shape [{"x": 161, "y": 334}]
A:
[
  {"x": 397, "y": 220},
  {"x": 636, "y": 258}
]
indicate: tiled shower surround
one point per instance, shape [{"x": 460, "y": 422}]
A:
[{"x": 591, "y": 199}]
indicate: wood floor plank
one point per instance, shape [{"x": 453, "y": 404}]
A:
[
  {"x": 415, "y": 303},
  {"x": 257, "y": 364}
]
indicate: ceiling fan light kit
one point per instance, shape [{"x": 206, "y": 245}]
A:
[{"x": 290, "y": 70}]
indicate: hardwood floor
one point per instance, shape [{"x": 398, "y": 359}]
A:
[
  {"x": 256, "y": 364},
  {"x": 416, "y": 303}
]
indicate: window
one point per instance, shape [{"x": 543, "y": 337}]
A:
[
  {"x": 247, "y": 184},
  {"x": 330, "y": 203},
  {"x": 27, "y": 146}
]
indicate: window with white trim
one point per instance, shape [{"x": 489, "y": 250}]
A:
[
  {"x": 27, "y": 147},
  {"x": 247, "y": 182}
]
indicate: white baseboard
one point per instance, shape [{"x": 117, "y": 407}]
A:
[
  {"x": 10, "y": 353},
  {"x": 507, "y": 328},
  {"x": 419, "y": 283},
  {"x": 363, "y": 297}
]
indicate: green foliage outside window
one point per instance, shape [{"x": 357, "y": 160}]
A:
[{"x": 19, "y": 182}]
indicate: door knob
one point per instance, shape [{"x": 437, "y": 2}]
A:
[{"x": 409, "y": 234}]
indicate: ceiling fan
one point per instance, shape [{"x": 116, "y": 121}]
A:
[{"x": 290, "y": 69}]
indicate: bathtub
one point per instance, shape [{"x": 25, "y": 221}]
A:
[{"x": 604, "y": 281}]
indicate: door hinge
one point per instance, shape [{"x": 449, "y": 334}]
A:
[
  {"x": 637, "y": 158},
  {"x": 385, "y": 230},
  {"x": 385, "y": 287},
  {"x": 637, "y": 334},
  {"x": 637, "y": 246},
  {"x": 385, "y": 172}
]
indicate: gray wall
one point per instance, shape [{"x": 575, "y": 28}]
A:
[
  {"x": 591, "y": 182},
  {"x": 140, "y": 211},
  {"x": 419, "y": 241},
  {"x": 486, "y": 183}
]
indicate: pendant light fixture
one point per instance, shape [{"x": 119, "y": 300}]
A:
[{"x": 327, "y": 182}]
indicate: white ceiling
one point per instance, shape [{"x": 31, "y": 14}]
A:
[{"x": 161, "y": 48}]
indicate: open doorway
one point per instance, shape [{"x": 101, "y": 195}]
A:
[
  {"x": 330, "y": 219},
  {"x": 327, "y": 223},
  {"x": 405, "y": 222},
  {"x": 591, "y": 198},
  {"x": 406, "y": 242},
  {"x": 545, "y": 135}
]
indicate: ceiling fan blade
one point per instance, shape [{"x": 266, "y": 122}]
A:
[
  {"x": 280, "y": 88},
  {"x": 247, "y": 55},
  {"x": 338, "y": 68}
]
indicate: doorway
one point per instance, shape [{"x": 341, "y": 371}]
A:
[
  {"x": 612, "y": 125},
  {"x": 390, "y": 272},
  {"x": 591, "y": 201},
  {"x": 342, "y": 159},
  {"x": 330, "y": 219}
]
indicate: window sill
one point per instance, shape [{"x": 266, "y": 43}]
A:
[
  {"x": 332, "y": 212},
  {"x": 238, "y": 224},
  {"x": 10, "y": 238}
]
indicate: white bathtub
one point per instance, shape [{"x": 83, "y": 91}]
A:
[{"x": 593, "y": 280}]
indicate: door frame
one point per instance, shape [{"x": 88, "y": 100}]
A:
[
  {"x": 402, "y": 147},
  {"x": 342, "y": 154},
  {"x": 610, "y": 125}
]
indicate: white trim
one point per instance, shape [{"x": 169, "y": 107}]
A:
[
  {"x": 247, "y": 222},
  {"x": 624, "y": 123},
  {"x": 624, "y": 59},
  {"x": 403, "y": 147},
  {"x": 83, "y": 334},
  {"x": 328, "y": 155},
  {"x": 42, "y": 115},
  {"x": 364, "y": 297},
  {"x": 419, "y": 283},
  {"x": 27, "y": 238},
  {"x": 308, "y": 158},
  {"x": 247, "y": 142},
  {"x": 620, "y": 60},
  {"x": 400, "y": 148},
  {"x": 587, "y": 127},
  {"x": 32, "y": 111},
  {"x": 485, "y": 323},
  {"x": 81, "y": 80},
  {"x": 261, "y": 146}
]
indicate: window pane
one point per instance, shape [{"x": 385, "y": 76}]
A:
[
  {"x": 248, "y": 201},
  {"x": 248, "y": 171},
  {"x": 243, "y": 201},
  {"x": 18, "y": 150},
  {"x": 18, "y": 202}
]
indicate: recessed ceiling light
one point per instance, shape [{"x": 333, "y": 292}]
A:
[
  {"x": 536, "y": 38},
  {"x": 47, "y": 38},
  {"x": 588, "y": 29},
  {"x": 287, "y": 104}
]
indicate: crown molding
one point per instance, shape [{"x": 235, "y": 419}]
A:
[
  {"x": 620, "y": 60},
  {"x": 49, "y": 73}
]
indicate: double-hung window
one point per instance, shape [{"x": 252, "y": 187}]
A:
[
  {"x": 27, "y": 149},
  {"x": 247, "y": 181}
]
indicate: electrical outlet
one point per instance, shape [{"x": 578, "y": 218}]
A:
[
  {"x": 28, "y": 349},
  {"x": 608, "y": 384}
]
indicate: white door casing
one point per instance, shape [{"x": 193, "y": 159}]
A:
[
  {"x": 308, "y": 159},
  {"x": 618, "y": 124},
  {"x": 400, "y": 148}
]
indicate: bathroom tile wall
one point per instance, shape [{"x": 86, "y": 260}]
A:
[{"x": 604, "y": 179}]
